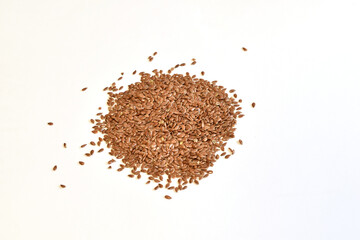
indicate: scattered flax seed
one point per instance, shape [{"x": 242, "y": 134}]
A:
[
  {"x": 105, "y": 89},
  {"x": 84, "y": 145},
  {"x": 92, "y": 143},
  {"x": 183, "y": 64},
  {"x": 64, "y": 145},
  {"x": 253, "y": 104},
  {"x": 147, "y": 182},
  {"x": 193, "y": 63},
  {"x": 54, "y": 168},
  {"x": 111, "y": 161},
  {"x": 87, "y": 154},
  {"x": 100, "y": 150},
  {"x": 232, "y": 90},
  {"x": 84, "y": 89},
  {"x": 92, "y": 121},
  {"x": 240, "y": 142},
  {"x": 109, "y": 167},
  {"x": 202, "y": 73},
  {"x": 244, "y": 49},
  {"x": 156, "y": 188},
  {"x": 50, "y": 123},
  {"x": 134, "y": 72},
  {"x": 167, "y": 197},
  {"x": 130, "y": 176},
  {"x": 235, "y": 95},
  {"x": 81, "y": 163},
  {"x": 122, "y": 73},
  {"x": 91, "y": 152},
  {"x": 120, "y": 78},
  {"x": 154, "y": 54},
  {"x": 227, "y": 156},
  {"x": 62, "y": 186}
]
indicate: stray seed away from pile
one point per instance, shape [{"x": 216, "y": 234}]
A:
[
  {"x": 64, "y": 145},
  {"x": 168, "y": 126},
  {"x": 84, "y": 89},
  {"x": 244, "y": 49},
  {"x": 167, "y": 197},
  {"x": 62, "y": 186},
  {"x": 50, "y": 123},
  {"x": 54, "y": 168},
  {"x": 81, "y": 163},
  {"x": 253, "y": 105}
]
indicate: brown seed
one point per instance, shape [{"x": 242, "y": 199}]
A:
[
  {"x": 111, "y": 161},
  {"x": 171, "y": 188},
  {"x": 91, "y": 152},
  {"x": 147, "y": 182},
  {"x": 196, "y": 182},
  {"x": 87, "y": 154},
  {"x": 193, "y": 63},
  {"x": 167, "y": 197},
  {"x": 84, "y": 89},
  {"x": 81, "y": 163},
  {"x": 54, "y": 168},
  {"x": 130, "y": 176},
  {"x": 202, "y": 73},
  {"x": 235, "y": 95},
  {"x": 244, "y": 49},
  {"x": 100, "y": 150},
  {"x": 183, "y": 64},
  {"x": 92, "y": 143},
  {"x": 156, "y": 188},
  {"x": 64, "y": 145},
  {"x": 82, "y": 146},
  {"x": 240, "y": 142},
  {"x": 253, "y": 104},
  {"x": 134, "y": 72},
  {"x": 227, "y": 156},
  {"x": 232, "y": 90},
  {"x": 120, "y": 78},
  {"x": 138, "y": 176},
  {"x": 62, "y": 186},
  {"x": 109, "y": 167},
  {"x": 154, "y": 54},
  {"x": 50, "y": 123},
  {"x": 119, "y": 169}
]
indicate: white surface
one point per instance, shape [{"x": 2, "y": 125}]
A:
[{"x": 295, "y": 177}]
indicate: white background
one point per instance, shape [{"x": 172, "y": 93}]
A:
[{"x": 295, "y": 177}]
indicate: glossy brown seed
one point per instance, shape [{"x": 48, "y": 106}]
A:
[
  {"x": 202, "y": 73},
  {"x": 147, "y": 182},
  {"x": 81, "y": 163},
  {"x": 244, "y": 49},
  {"x": 167, "y": 197},
  {"x": 50, "y": 123},
  {"x": 119, "y": 169},
  {"x": 134, "y": 72},
  {"x": 130, "y": 176},
  {"x": 223, "y": 154},
  {"x": 154, "y": 54},
  {"x": 54, "y": 168},
  {"x": 156, "y": 188},
  {"x": 84, "y": 145},
  {"x": 84, "y": 89},
  {"x": 253, "y": 104},
  {"x": 109, "y": 167},
  {"x": 183, "y": 64},
  {"x": 111, "y": 161},
  {"x": 87, "y": 154},
  {"x": 235, "y": 95},
  {"x": 64, "y": 145},
  {"x": 91, "y": 152},
  {"x": 100, "y": 150},
  {"x": 232, "y": 90},
  {"x": 196, "y": 182},
  {"x": 92, "y": 143},
  {"x": 227, "y": 156},
  {"x": 138, "y": 176},
  {"x": 62, "y": 186},
  {"x": 240, "y": 142}
]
